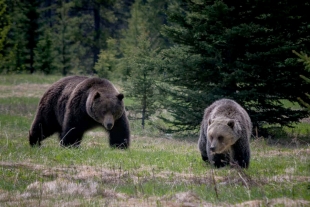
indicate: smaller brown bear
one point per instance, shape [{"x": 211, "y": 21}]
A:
[
  {"x": 225, "y": 134},
  {"x": 75, "y": 104}
]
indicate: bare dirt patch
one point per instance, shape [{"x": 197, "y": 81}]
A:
[
  {"x": 274, "y": 202},
  {"x": 72, "y": 173},
  {"x": 60, "y": 187}
]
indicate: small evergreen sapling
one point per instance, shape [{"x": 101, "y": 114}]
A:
[{"x": 306, "y": 60}]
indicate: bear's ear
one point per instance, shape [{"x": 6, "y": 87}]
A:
[
  {"x": 120, "y": 96},
  {"x": 97, "y": 95},
  {"x": 231, "y": 123}
]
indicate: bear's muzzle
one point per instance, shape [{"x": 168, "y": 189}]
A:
[{"x": 109, "y": 126}]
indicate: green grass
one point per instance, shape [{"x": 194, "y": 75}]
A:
[
  {"x": 155, "y": 171},
  {"x": 15, "y": 101}
]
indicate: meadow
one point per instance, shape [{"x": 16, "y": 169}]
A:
[{"x": 157, "y": 170}]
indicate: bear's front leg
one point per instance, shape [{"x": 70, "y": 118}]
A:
[
  {"x": 73, "y": 130},
  {"x": 242, "y": 154},
  {"x": 74, "y": 125},
  {"x": 119, "y": 135},
  {"x": 202, "y": 144},
  {"x": 220, "y": 160},
  {"x": 71, "y": 137}
]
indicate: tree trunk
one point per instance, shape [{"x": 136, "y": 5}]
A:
[{"x": 144, "y": 103}]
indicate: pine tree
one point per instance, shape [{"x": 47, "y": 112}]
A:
[
  {"x": 44, "y": 57},
  {"x": 146, "y": 17},
  {"x": 235, "y": 49},
  {"x": 65, "y": 44},
  {"x": 106, "y": 65},
  {"x": 139, "y": 48},
  {"x": 142, "y": 85},
  {"x": 4, "y": 26},
  {"x": 15, "y": 53},
  {"x": 306, "y": 60},
  {"x": 32, "y": 34},
  {"x": 101, "y": 20}
]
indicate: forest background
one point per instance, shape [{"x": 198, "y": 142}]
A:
[{"x": 171, "y": 58}]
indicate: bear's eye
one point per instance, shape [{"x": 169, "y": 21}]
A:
[{"x": 220, "y": 138}]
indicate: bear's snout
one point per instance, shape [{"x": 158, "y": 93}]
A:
[
  {"x": 108, "y": 121},
  {"x": 109, "y": 126}
]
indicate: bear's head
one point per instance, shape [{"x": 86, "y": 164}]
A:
[
  {"x": 222, "y": 134},
  {"x": 105, "y": 108}
]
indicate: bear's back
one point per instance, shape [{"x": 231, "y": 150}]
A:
[
  {"x": 223, "y": 107},
  {"x": 62, "y": 87},
  {"x": 228, "y": 108},
  {"x": 97, "y": 84},
  {"x": 61, "y": 90}
]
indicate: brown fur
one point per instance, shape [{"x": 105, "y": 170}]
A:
[
  {"x": 225, "y": 134},
  {"x": 76, "y": 104}
]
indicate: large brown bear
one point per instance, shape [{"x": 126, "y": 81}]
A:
[
  {"x": 225, "y": 134},
  {"x": 76, "y": 104}
]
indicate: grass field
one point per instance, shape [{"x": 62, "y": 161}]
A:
[{"x": 155, "y": 171}]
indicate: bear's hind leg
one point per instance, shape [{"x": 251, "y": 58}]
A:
[
  {"x": 44, "y": 125},
  {"x": 40, "y": 131}
]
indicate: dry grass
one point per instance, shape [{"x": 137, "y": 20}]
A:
[{"x": 82, "y": 183}]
